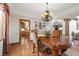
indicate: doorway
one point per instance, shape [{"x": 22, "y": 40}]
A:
[{"x": 24, "y": 31}]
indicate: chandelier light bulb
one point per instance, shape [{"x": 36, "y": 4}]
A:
[{"x": 45, "y": 14}]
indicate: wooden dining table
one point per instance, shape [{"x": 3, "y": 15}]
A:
[{"x": 47, "y": 41}]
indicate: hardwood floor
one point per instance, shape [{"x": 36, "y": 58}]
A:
[{"x": 22, "y": 49}]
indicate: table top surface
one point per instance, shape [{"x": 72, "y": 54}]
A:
[{"x": 47, "y": 41}]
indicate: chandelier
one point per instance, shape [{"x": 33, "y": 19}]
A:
[{"x": 47, "y": 16}]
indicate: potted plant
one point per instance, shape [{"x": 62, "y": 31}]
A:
[{"x": 47, "y": 33}]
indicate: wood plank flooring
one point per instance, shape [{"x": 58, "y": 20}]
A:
[{"x": 22, "y": 49}]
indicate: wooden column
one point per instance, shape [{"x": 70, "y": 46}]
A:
[{"x": 67, "y": 26}]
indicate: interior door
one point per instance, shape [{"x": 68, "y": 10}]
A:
[{"x": 24, "y": 29}]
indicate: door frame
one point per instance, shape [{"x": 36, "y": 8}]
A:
[
  {"x": 5, "y": 27},
  {"x": 20, "y": 28}
]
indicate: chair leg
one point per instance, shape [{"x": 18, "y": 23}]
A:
[{"x": 35, "y": 50}]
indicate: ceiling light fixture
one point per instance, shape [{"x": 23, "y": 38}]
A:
[{"x": 47, "y": 16}]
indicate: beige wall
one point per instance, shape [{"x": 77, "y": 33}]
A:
[{"x": 14, "y": 26}]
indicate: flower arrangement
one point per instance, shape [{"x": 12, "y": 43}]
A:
[{"x": 47, "y": 33}]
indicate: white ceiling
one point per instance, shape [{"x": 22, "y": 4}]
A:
[{"x": 36, "y": 9}]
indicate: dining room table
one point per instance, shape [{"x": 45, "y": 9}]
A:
[{"x": 55, "y": 49}]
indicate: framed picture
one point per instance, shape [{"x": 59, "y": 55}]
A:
[
  {"x": 43, "y": 24},
  {"x": 36, "y": 24},
  {"x": 40, "y": 25}
]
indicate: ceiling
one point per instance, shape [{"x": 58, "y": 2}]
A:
[{"x": 36, "y": 9}]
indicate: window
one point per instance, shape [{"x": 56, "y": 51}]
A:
[
  {"x": 1, "y": 23},
  {"x": 72, "y": 27}
]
